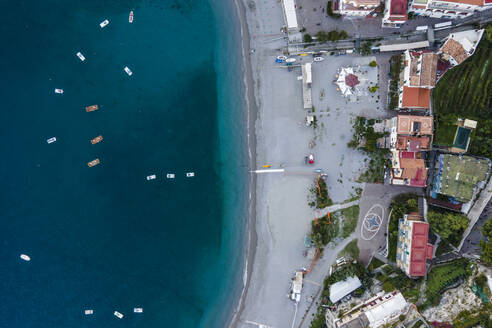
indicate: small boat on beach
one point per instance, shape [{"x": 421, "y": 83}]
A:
[
  {"x": 282, "y": 57},
  {"x": 190, "y": 174},
  {"x": 151, "y": 177},
  {"x": 59, "y": 91},
  {"x": 104, "y": 23},
  {"x": 130, "y": 18},
  {"x": 94, "y": 162},
  {"x": 128, "y": 71},
  {"x": 118, "y": 315},
  {"x": 91, "y": 108},
  {"x": 170, "y": 176},
  {"x": 318, "y": 59},
  {"x": 137, "y": 310},
  {"x": 290, "y": 60},
  {"x": 25, "y": 257},
  {"x": 81, "y": 57},
  {"x": 96, "y": 140},
  {"x": 51, "y": 140},
  {"x": 88, "y": 312}
]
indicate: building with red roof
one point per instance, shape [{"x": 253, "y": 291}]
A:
[
  {"x": 395, "y": 13},
  {"x": 413, "y": 249}
]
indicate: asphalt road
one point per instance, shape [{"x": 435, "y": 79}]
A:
[{"x": 472, "y": 243}]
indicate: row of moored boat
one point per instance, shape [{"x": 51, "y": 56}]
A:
[{"x": 92, "y": 108}]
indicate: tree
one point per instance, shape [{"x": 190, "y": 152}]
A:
[
  {"x": 448, "y": 225},
  {"x": 322, "y": 36},
  {"x": 373, "y": 64},
  {"x": 343, "y": 34},
  {"x": 488, "y": 32},
  {"x": 486, "y": 245},
  {"x": 365, "y": 48},
  {"x": 307, "y": 38}
]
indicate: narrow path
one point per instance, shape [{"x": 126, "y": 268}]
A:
[{"x": 336, "y": 207}]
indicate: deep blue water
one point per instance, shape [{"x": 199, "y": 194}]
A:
[{"x": 105, "y": 238}]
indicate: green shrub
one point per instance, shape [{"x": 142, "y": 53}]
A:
[
  {"x": 307, "y": 38},
  {"x": 373, "y": 64}
]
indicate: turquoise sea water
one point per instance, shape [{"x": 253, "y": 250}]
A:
[{"x": 105, "y": 238}]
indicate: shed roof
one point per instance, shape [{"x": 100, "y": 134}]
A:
[{"x": 342, "y": 288}]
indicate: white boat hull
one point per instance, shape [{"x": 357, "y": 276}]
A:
[
  {"x": 81, "y": 57},
  {"x": 104, "y": 23}
]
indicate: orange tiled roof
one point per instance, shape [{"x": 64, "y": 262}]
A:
[
  {"x": 455, "y": 50},
  {"x": 416, "y": 98}
]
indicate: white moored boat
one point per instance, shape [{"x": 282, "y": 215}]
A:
[
  {"x": 25, "y": 257},
  {"x": 81, "y": 57},
  {"x": 138, "y": 310},
  {"x": 290, "y": 60},
  {"x": 51, "y": 140},
  {"x": 88, "y": 312},
  {"x": 130, "y": 18},
  {"x": 118, "y": 315},
  {"x": 104, "y": 23},
  {"x": 190, "y": 174},
  {"x": 170, "y": 175},
  {"x": 128, "y": 71},
  {"x": 318, "y": 59},
  {"x": 60, "y": 91},
  {"x": 151, "y": 177}
]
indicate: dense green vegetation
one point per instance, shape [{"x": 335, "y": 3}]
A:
[
  {"x": 348, "y": 270},
  {"x": 375, "y": 263},
  {"x": 449, "y": 225},
  {"x": 323, "y": 230},
  {"x": 351, "y": 250},
  {"x": 307, "y": 38},
  {"x": 365, "y": 48},
  {"x": 469, "y": 319},
  {"x": 319, "y": 318},
  {"x": 443, "y": 276},
  {"x": 400, "y": 205},
  {"x": 333, "y": 35},
  {"x": 349, "y": 217},
  {"x": 373, "y": 63},
  {"x": 486, "y": 244},
  {"x": 443, "y": 248},
  {"x": 330, "y": 12},
  {"x": 365, "y": 135},
  {"x": 396, "y": 66},
  {"x": 393, "y": 278},
  {"x": 466, "y": 91},
  {"x": 319, "y": 191}
]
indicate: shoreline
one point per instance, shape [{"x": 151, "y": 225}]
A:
[{"x": 250, "y": 242}]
